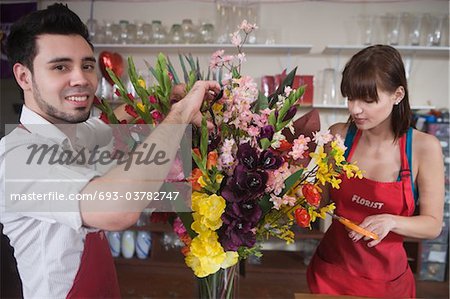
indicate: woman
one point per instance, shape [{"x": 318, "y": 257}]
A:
[{"x": 398, "y": 163}]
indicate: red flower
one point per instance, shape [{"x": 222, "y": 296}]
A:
[
  {"x": 117, "y": 92},
  {"x": 152, "y": 99},
  {"x": 156, "y": 115},
  {"x": 311, "y": 194},
  {"x": 97, "y": 101},
  {"x": 130, "y": 110},
  {"x": 104, "y": 118},
  {"x": 302, "y": 217},
  {"x": 284, "y": 146},
  {"x": 130, "y": 96},
  {"x": 196, "y": 174}
]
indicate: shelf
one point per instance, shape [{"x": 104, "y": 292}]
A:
[
  {"x": 407, "y": 50},
  {"x": 344, "y": 107},
  {"x": 205, "y": 48}
]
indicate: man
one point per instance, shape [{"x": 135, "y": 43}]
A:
[{"x": 63, "y": 252}]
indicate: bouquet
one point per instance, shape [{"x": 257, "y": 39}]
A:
[{"x": 256, "y": 174}]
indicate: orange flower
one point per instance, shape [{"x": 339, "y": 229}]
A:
[
  {"x": 212, "y": 159},
  {"x": 302, "y": 217},
  {"x": 197, "y": 152},
  {"x": 284, "y": 146},
  {"x": 311, "y": 194},
  {"x": 196, "y": 174},
  {"x": 185, "y": 250}
]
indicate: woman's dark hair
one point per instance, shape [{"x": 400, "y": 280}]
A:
[
  {"x": 378, "y": 66},
  {"x": 56, "y": 19}
]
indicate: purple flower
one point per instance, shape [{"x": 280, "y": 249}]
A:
[
  {"x": 244, "y": 184},
  {"x": 213, "y": 142},
  {"x": 239, "y": 220},
  {"x": 268, "y": 160},
  {"x": 290, "y": 114},
  {"x": 247, "y": 156},
  {"x": 267, "y": 132}
]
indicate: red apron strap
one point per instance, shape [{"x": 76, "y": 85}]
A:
[
  {"x": 96, "y": 277},
  {"x": 355, "y": 142},
  {"x": 405, "y": 176}
]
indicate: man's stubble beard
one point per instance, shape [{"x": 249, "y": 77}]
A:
[{"x": 53, "y": 112}]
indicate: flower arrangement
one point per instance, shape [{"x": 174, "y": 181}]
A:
[{"x": 255, "y": 175}]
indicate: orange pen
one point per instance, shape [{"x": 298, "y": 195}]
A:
[{"x": 353, "y": 226}]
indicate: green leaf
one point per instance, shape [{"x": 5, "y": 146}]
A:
[
  {"x": 265, "y": 143},
  {"x": 235, "y": 73},
  {"x": 176, "y": 80},
  {"x": 291, "y": 180},
  {"x": 199, "y": 162},
  {"x": 272, "y": 119},
  {"x": 265, "y": 204},
  {"x": 204, "y": 142},
  {"x": 262, "y": 102},
  {"x": 288, "y": 81},
  {"x": 183, "y": 67}
]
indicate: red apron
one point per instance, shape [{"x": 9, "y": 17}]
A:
[
  {"x": 96, "y": 277},
  {"x": 343, "y": 267}
]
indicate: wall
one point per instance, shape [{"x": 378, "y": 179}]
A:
[{"x": 309, "y": 22}]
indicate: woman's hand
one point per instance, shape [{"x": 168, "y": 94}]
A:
[{"x": 380, "y": 224}]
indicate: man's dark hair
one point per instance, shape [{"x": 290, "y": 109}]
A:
[{"x": 56, "y": 19}]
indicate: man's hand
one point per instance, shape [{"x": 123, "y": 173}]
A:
[{"x": 188, "y": 108}]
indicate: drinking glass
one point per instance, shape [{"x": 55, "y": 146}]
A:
[
  {"x": 367, "y": 25},
  {"x": 415, "y": 28},
  {"x": 392, "y": 24},
  {"x": 436, "y": 27},
  {"x": 329, "y": 87}
]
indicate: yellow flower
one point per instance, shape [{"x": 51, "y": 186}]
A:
[
  {"x": 209, "y": 209},
  {"x": 335, "y": 182},
  {"x": 206, "y": 255},
  {"x": 230, "y": 259},
  {"x": 351, "y": 170},
  {"x": 141, "y": 83},
  {"x": 140, "y": 106},
  {"x": 217, "y": 108},
  {"x": 196, "y": 198},
  {"x": 319, "y": 155},
  {"x": 202, "y": 182},
  {"x": 198, "y": 225},
  {"x": 219, "y": 178}
]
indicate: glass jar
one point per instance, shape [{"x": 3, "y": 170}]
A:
[
  {"x": 176, "y": 34},
  {"x": 123, "y": 37},
  {"x": 189, "y": 32},
  {"x": 207, "y": 35},
  {"x": 131, "y": 34},
  {"x": 159, "y": 35},
  {"x": 147, "y": 34}
]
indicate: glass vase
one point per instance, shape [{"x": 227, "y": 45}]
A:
[{"x": 224, "y": 284}]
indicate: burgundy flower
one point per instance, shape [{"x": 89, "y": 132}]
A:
[
  {"x": 290, "y": 114},
  {"x": 268, "y": 160},
  {"x": 213, "y": 142},
  {"x": 240, "y": 220},
  {"x": 266, "y": 132},
  {"x": 247, "y": 156},
  {"x": 244, "y": 184}
]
